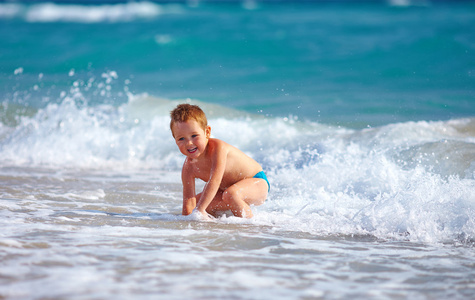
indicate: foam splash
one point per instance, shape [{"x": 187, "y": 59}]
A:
[
  {"x": 411, "y": 180},
  {"x": 136, "y": 134},
  {"x": 356, "y": 193},
  {"x": 67, "y": 135}
]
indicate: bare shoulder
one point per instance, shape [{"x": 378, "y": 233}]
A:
[
  {"x": 236, "y": 157},
  {"x": 222, "y": 148},
  {"x": 219, "y": 146},
  {"x": 218, "y": 142}
]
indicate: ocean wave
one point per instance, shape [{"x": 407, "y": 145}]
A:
[
  {"x": 411, "y": 180},
  {"x": 55, "y": 12},
  {"x": 138, "y": 130}
]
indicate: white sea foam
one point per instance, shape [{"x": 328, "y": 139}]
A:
[
  {"x": 405, "y": 3},
  {"x": 53, "y": 12},
  {"x": 410, "y": 180},
  {"x": 49, "y": 12}
]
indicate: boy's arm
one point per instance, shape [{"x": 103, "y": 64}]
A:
[
  {"x": 218, "y": 166},
  {"x": 189, "y": 196}
]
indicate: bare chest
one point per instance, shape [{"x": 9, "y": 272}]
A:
[{"x": 202, "y": 170}]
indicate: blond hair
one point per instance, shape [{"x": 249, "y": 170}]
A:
[{"x": 185, "y": 112}]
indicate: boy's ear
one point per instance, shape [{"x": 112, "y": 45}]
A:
[{"x": 208, "y": 132}]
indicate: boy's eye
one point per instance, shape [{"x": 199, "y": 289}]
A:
[
  {"x": 194, "y": 135},
  {"x": 181, "y": 139}
]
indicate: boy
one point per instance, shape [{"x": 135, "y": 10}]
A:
[{"x": 233, "y": 180}]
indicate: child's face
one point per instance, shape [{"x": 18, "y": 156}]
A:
[{"x": 191, "y": 138}]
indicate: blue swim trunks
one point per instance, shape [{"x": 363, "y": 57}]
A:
[{"x": 262, "y": 175}]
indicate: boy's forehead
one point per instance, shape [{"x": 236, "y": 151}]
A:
[
  {"x": 187, "y": 125},
  {"x": 190, "y": 122}
]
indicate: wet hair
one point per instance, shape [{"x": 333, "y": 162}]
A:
[{"x": 186, "y": 112}]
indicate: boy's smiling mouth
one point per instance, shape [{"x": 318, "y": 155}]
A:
[{"x": 192, "y": 150}]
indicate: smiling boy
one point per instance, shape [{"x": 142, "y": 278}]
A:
[{"x": 234, "y": 181}]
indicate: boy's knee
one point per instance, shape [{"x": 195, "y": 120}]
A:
[{"x": 230, "y": 195}]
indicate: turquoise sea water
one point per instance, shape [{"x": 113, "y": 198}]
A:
[
  {"x": 350, "y": 63},
  {"x": 362, "y": 114}
]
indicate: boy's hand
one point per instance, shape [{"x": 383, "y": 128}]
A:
[{"x": 199, "y": 216}]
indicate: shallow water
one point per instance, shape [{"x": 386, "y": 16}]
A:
[
  {"x": 91, "y": 197},
  {"x": 97, "y": 235}
]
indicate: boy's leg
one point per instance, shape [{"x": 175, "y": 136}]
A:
[
  {"x": 217, "y": 204},
  {"x": 240, "y": 195}
]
